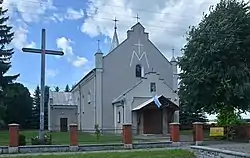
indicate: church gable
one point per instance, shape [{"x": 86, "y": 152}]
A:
[
  {"x": 147, "y": 87},
  {"x": 138, "y": 52}
]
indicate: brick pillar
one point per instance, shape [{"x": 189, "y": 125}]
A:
[
  {"x": 175, "y": 132},
  {"x": 127, "y": 136},
  {"x": 198, "y": 132},
  {"x": 247, "y": 132},
  {"x": 73, "y": 130},
  {"x": 13, "y": 138}
]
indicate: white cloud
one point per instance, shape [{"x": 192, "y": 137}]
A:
[
  {"x": 73, "y": 14},
  {"x": 166, "y": 21},
  {"x": 21, "y": 13},
  {"x": 30, "y": 11},
  {"x": 51, "y": 73},
  {"x": 20, "y": 38},
  {"x": 79, "y": 61},
  {"x": 65, "y": 44}
]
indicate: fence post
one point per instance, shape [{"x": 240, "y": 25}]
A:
[
  {"x": 198, "y": 136},
  {"x": 127, "y": 136},
  {"x": 13, "y": 138},
  {"x": 73, "y": 129},
  {"x": 175, "y": 133}
]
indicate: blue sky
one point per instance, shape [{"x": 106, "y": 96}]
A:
[
  {"x": 60, "y": 35},
  {"x": 75, "y": 26}
]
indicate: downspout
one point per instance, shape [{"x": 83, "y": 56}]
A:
[
  {"x": 80, "y": 102},
  {"x": 95, "y": 117}
]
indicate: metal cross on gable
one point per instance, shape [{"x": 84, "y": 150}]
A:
[
  {"x": 115, "y": 20},
  {"x": 42, "y": 51},
  {"x": 137, "y": 17}
]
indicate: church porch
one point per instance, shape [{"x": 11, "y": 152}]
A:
[{"x": 149, "y": 119}]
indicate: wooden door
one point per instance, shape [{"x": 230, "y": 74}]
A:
[
  {"x": 152, "y": 121},
  {"x": 63, "y": 124}
]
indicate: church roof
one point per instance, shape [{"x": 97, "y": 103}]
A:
[{"x": 61, "y": 98}]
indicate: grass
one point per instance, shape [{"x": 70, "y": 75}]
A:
[
  {"x": 131, "y": 154},
  {"x": 62, "y": 138}
]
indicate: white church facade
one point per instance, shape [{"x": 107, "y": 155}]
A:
[{"x": 121, "y": 87}]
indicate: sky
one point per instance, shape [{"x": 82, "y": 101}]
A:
[{"x": 75, "y": 26}]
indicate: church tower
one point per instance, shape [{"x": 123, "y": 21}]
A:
[
  {"x": 175, "y": 83},
  {"x": 98, "y": 87},
  {"x": 115, "y": 41}
]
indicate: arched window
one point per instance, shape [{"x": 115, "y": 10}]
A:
[
  {"x": 119, "y": 117},
  {"x": 138, "y": 71}
]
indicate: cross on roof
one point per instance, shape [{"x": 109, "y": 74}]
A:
[
  {"x": 173, "y": 52},
  {"x": 98, "y": 44},
  {"x": 137, "y": 17},
  {"x": 115, "y": 20}
]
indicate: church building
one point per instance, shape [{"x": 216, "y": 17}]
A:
[{"x": 133, "y": 84}]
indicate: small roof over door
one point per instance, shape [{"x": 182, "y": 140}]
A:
[{"x": 166, "y": 102}]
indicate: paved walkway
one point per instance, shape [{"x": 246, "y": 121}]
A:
[{"x": 238, "y": 147}]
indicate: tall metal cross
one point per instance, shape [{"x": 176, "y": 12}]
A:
[
  {"x": 42, "y": 51},
  {"x": 139, "y": 46},
  {"x": 115, "y": 20},
  {"x": 137, "y": 18}
]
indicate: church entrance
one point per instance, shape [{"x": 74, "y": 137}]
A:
[
  {"x": 63, "y": 124},
  {"x": 152, "y": 121}
]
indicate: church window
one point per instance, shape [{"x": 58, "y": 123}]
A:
[
  {"x": 119, "y": 117},
  {"x": 138, "y": 71},
  {"x": 152, "y": 87}
]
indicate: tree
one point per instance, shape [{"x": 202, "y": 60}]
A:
[
  {"x": 6, "y": 36},
  {"x": 57, "y": 89},
  {"x": 36, "y": 108},
  {"x": 188, "y": 117},
  {"x": 18, "y": 105},
  {"x": 216, "y": 62},
  {"x": 67, "y": 88}
]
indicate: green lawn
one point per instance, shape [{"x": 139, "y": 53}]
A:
[
  {"x": 62, "y": 138},
  {"x": 132, "y": 154}
]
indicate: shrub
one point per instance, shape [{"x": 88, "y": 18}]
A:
[
  {"x": 97, "y": 132},
  {"x": 46, "y": 141},
  {"x": 22, "y": 140}
]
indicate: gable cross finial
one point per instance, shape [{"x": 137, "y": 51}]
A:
[
  {"x": 172, "y": 52},
  {"x": 115, "y": 20},
  {"x": 137, "y": 17},
  {"x": 98, "y": 44}
]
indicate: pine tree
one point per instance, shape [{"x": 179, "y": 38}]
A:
[
  {"x": 57, "y": 89},
  {"x": 36, "y": 108},
  {"x": 6, "y": 36},
  {"x": 67, "y": 88}
]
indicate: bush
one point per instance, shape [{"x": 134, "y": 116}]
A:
[
  {"x": 97, "y": 132},
  {"x": 46, "y": 141},
  {"x": 22, "y": 140}
]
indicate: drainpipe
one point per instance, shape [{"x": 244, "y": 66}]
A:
[{"x": 80, "y": 102}]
